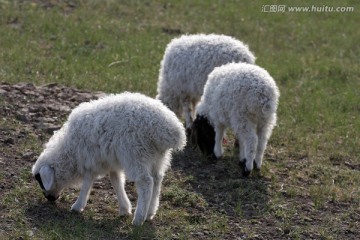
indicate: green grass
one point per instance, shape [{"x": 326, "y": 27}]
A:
[{"x": 309, "y": 185}]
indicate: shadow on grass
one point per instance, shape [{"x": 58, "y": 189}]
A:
[
  {"x": 53, "y": 221},
  {"x": 222, "y": 184}
]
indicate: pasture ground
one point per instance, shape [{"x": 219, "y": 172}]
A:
[{"x": 308, "y": 187}]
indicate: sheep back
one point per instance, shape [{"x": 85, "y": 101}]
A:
[
  {"x": 96, "y": 132},
  {"x": 239, "y": 90}
]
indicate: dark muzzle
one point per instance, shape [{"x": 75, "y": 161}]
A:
[{"x": 51, "y": 198}]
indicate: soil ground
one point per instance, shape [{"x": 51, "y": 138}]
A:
[{"x": 29, "y": 115}]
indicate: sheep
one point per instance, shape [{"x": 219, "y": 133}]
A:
[
  {"x": 242, "y": 97},
  {"x": 186, "y": 64},
  {"x": 127, "y": 134}
]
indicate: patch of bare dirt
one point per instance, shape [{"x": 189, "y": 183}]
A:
[{"x": 30, "y": 112}]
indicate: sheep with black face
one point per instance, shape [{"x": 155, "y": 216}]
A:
[
  {"x": 242, "y": 97},
  {"x": 121, "y": 135},
  {"x": 186, "y": 64}
]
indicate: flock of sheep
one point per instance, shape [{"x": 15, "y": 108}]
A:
[{"x": 211, "y": 79}]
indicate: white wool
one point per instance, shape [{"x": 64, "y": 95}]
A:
[
  {"x": 128, "y": 133},
  {"x": 243, "y": 97},
  {"x": 186, "y": 64}
]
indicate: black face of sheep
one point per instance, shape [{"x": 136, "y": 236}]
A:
[
  {"x": 49, "y": 197},
  {"x": 203, "y": 135}
]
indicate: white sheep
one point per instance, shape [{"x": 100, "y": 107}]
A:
[
  {"x": 243, "y": 97},
  {"x": 186, "y": 64},
  {"x": 127, "y": 134}
]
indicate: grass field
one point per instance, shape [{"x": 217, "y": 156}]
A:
[{"x": 309, "y": 186}]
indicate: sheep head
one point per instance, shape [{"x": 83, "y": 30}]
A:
[
  {"x": 46, "y": 180},
  {"x": 203, "y": 135}
]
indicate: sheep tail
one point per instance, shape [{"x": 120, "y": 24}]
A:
[
  {"x": 173, "y": 138},
  {"x": 268, "y": 107}
]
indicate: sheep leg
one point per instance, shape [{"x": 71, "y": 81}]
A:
[
  {"x": 80, "y": 203},
  {"x": 262, "y": 142},
  {"x": 144, "y": 187},
  {"x": 251, "y": 141},
  {"x": 118, "y": 182},
  {"x": 187, "y": 113},
  {"x": 193, "y": 105},
  {"x": 219, "y": 135},
  {"x": 154, "y": 204},
  {"x": 241, "y": 150}
]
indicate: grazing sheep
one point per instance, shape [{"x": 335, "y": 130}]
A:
[
  {"x": 243, "y": 97},
  {"x": 125, "y": 134},
  {"x": 186, "y": 64}
]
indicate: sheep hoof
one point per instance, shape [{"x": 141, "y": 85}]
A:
[
  {"x": 213, "y": 158},
  {"x": 256, "y": 167},
  {"x": 150, "y": 217},
  {"x": 245, "y": 171},
  {"x": 242, "y": 163},
  {"x": 75, "y": 208},
  {"x": 124, "y": 212},
  {"x": 137, "y": 222}
]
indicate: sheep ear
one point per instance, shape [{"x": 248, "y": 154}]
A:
[{"x": 47, "y": 177}]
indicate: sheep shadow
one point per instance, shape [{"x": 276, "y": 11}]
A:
[
  {"x": 222, "y": 185},
  {"x": 55, "y": 221}
]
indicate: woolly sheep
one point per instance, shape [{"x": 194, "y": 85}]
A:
[
  {"x": 186, "y": 64},
  {"x": 125, "y": 134},
  {"x": 244, "y": 98}
]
